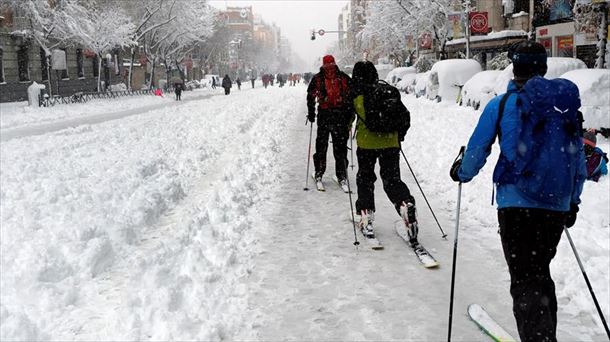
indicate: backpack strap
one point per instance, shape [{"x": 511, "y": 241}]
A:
[{"x": 501, "y": 113}]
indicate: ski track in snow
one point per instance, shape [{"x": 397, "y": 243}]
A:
[{"x": 190, "y": 222}]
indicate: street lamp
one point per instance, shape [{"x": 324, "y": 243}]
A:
[{"x": 467, "y": 10}]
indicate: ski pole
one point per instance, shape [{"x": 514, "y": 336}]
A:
[
  {"x": 351, "y": 143},
  {"x": 582, "y": 269},
  {"x": 455, "y": 244},
  {"x": 423, "y": 194},
  {"x": 308, "y": 157},
  {"x": 351, "y": 206}
]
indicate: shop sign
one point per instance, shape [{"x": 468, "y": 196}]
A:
[
  {"x": 478, "y": 23},
  {"x": 565, "y": 42},
  {"x": 456, "y": 25},
  {"x": 543, "y": 32}
]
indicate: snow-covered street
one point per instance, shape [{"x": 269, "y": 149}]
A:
[{"x": 189, "y": 222}]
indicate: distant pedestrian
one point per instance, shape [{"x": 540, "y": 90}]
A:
[
  {"x": 238, "y": 82},
  {"x": 178, "y": 91},
  {"x": 213, "y": 82},
  {"x": 227, "y": 84},
  {"x": 596, "y": 158},
  {"x": 253, "y": 76}
]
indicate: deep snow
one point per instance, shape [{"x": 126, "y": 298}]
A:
[{"x": 190, "y": 222}]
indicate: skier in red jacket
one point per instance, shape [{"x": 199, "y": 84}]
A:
[{"x": 331, "y": 89}]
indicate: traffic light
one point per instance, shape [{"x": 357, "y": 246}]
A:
[{"x": 313, "y": 35}]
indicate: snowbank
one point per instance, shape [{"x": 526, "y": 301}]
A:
[
  {"x": 407, "y": 83},
  {"x": 557, "y": 66},
  {"x": 478, "y": 90},
  {"x": 447, "y": 77},
  {"x": 594, "y": 88},
  {"x": 138, "y": 228},
  {"x": 420, "y": 83}
]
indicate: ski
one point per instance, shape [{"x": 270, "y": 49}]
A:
[
  {"x": 319, "y": 185},
  {"x": 372, "y": 243},
  {"x": 487, "y": 324},
  {"x": 422, "y": 254},
  {"x": 344, "y": 187}
]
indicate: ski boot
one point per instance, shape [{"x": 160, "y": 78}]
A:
[
  {"x": 407, "y": 212},
  {"x": 366, "y": 223}
]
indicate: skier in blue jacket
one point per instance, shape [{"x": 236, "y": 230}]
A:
[{"x": 530, "y": 228}]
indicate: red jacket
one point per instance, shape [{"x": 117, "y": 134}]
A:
[{"x": 331, "y": 88}]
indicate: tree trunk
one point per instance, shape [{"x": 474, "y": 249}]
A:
[
  {"x": 48, "y": 57},
  {"x": 133, "y": 54},
  {"x": 151, "y": 83},
  {"x": 602, "y": 33},
  {"x": 99, "y": 72}
]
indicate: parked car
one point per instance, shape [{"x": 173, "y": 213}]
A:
[
  {"x": 557, "y": 66},
  {"x": 407, "y": 83},
  {"x": 479, "y": 89},
  {"x": 383, "y": 70},
  {"x": 194, "y": 84},
  {"x": 419, "y": 87},
  {"x": 447, "y": 77},
  {"x": 397, "y": 74}
]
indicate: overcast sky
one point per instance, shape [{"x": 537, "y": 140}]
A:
[{"x": 296, "y": 18}]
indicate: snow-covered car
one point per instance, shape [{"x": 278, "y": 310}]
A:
[
  {"x": 557, "y": 66},
  {"x": 394, "y": 76},
  {"x": 479, "y": 89},
  {"x": 407, "y": 83},
  {"x": 447, "y": 77},
  {"x": 594, "y": 88},
  {"x": 419, "y": 86},
  {"x": 194, "y": 84}
]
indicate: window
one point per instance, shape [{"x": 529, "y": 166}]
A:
[
  {"x": 23, "y": 62},
  {"x": 80, "y": 68},
  {"x": 96, "y": 71},
  {"x": 1, "y": 66},
  {"x": 44, "y": 65},
  {"x": 64, "y": 73},
  {"x": 565, "y": 46},
  {"x": 521, "y": 6}
]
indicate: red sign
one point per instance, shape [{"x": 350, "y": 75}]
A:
[
  {"x": 478, "y": 23},
  {"x": 543, "y": 32},
  {"x": 321, "y": 32},
  {"x": 425, "y": 41}
]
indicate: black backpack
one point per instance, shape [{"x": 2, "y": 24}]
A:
[{"x": 385, "y": 112}]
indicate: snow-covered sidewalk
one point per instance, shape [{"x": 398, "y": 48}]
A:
[{"x": 190, "y": 222}]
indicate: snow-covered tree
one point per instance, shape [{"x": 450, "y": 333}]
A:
[
  {"x": 388, "y": 23},
  {"x": 188, "y": 24},
  {"x": 44, "y": 24},
  {"x": 100, "y": 29},
  {"x": 593, "y": 16}
]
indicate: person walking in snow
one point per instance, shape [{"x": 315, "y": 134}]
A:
[
  {"x": 227, "y": 84},
  {"x": 596, "y": 158},
  {"x": 253, "y": 76},
  {"x": 532, "y": 213},
  {"x": 331, "y": 89},
  {"x": 178, "y": 90},
  {"x": 238, "y": 82},
  {"x": 213, "y": 82},
  {"x": 373, "y": 146}
]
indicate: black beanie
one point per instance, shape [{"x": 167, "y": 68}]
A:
[
  {"x": 529, "y": 59},
  {"x": 365, "y": 72}
]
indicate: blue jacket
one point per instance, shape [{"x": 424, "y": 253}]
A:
[{"x": 479, "y": 148}]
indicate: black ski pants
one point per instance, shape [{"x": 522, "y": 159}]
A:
[
  {"x": 227, "y": 91},
  {"x": 340, "y": 135},
  {"x": 529, "y": 240},
  {"x": 389, "y": 170}
]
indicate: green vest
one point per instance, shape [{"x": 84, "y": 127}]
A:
[{"x": 371, "y": 140}]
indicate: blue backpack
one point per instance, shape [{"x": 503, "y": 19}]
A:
[{"x": 549, "y": 140}]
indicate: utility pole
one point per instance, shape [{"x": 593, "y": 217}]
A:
[{"x": 467, "y": 10}]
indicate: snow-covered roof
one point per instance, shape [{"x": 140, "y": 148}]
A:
[{"x": 490, "y": 36}]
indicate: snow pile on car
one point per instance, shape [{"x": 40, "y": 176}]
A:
[
  {"x": 594, "y": 88},
  {"x": 448, "y": 76}
]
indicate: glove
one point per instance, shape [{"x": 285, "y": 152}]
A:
[
  {"x": 401, "y": 135},
  {"x": 311, "y": 117},
  {"x": 457, "y": 164},
  {"x": 455, "y": 169},
  {"x": 604, "y": 131},
  {"x": 570, "y": 218}
]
